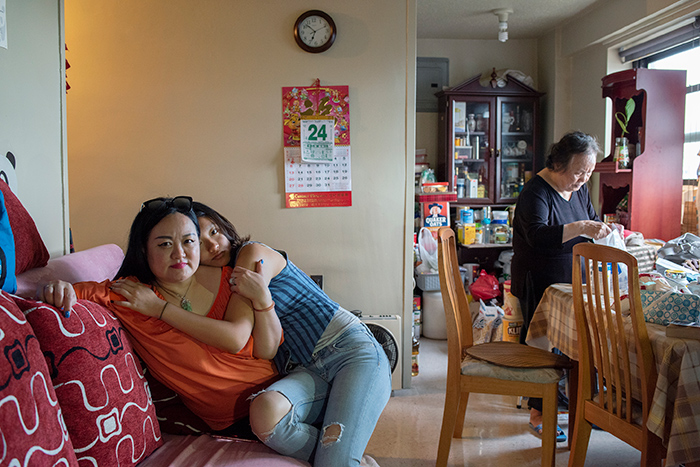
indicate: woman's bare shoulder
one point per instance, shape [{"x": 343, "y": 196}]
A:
[{"x": 251, "y": 253}]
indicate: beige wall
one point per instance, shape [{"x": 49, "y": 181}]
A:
[
  {"x": 175, "y": 97},
  {"x": 31, "y": 114}
]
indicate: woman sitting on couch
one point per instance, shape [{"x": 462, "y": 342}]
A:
[{"x": 193, "y": 333}]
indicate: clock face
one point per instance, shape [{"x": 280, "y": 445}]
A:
[{"x": 315, "y": 31}]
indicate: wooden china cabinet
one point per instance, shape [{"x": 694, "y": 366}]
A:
[
  {"x": 653, "y": 184},
  {"x": 487, "y": 140}
]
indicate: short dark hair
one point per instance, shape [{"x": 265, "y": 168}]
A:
[
  {"x": 224, "y": 225},
  {"x": 571, "y": 144},
  {"x": 136, "y": 260}
]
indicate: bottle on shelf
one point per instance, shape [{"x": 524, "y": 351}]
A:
[
  {"x": 486, "y": 230},
  {"x": 623, "y": 154},
  {"x": 638, "y": 145},
  {"x": 414, "y": 355},
  {"x": 478, "y": 234}
]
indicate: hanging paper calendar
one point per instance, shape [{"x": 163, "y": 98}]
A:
[{"x": 316, "y": 122}]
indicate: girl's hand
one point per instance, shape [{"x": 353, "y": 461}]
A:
[
  {"x": 138, "y": 297},
  {"x": 252, "y": 285},
  {"x": 59, "y": 294}
]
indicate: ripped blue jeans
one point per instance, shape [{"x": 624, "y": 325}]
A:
[{"x": 348, "y": 383}]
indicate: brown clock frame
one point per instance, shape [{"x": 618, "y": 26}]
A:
[{"x": 306, "y": 47}]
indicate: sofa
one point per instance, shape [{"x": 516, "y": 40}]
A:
[{"x": 72, "y": 390}]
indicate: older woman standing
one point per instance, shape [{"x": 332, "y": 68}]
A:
[{"x": 553, "y": 213}]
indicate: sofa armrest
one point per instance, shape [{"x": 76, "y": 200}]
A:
[{"x": 95, "y": 264}]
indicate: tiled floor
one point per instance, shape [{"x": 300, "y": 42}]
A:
[{"x": 495, "y": 432}]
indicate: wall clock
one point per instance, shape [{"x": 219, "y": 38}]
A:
[{"x": 315, "y": 31}]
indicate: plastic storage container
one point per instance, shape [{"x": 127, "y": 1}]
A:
[{"x": 500, "y": 232}]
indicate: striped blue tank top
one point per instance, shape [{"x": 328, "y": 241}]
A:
[{"x": 304, "y": 311}]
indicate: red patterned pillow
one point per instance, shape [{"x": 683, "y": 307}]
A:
[
  {"x": 32, "y": 430},
  {"x": 106, "y": 401},
  {"x": 30, "y": 251}
]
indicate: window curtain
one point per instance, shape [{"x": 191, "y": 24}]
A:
[{"x": 682, "y": 35}]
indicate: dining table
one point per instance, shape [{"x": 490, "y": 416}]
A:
[{"x": 675, "y": 410}]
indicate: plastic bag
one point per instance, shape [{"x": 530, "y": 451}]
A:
[
  {"x": 488, "y": 323},
  {"x": 685, "y": 247},
  {"x": 428, "y": 248},
  {"x": 504, "y": 261},
  {"x": 485, "y": 287},
  {"x": 615, "y": 239}
]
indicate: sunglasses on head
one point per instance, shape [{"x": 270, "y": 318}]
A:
[{"x": 181, "y": 203}]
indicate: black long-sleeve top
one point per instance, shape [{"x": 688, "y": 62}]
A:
[{"x": 540, "y": 215}]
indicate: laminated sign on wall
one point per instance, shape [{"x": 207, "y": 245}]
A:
[{"x": 316, "y": 122}]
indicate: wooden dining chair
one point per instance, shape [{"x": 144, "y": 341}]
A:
[
  {"x": 604, "y": 342},
  {"x": 504, "y": 368}
]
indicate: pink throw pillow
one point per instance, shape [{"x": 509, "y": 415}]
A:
[
  {"x": 30, "y": 251},
  {"x": 32, "y": 429},
  {"x": 99, "y": 382}
]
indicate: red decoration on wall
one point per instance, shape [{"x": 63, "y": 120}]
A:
[{"x": 67, "y": 66}]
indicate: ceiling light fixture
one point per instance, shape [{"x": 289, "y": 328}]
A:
[{"x": 502, "y": 14}]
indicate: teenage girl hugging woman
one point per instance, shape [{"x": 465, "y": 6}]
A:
[
  {"x": 211, "y": 341},
  {"x": 194, "y": 335},
  {"x": 337, "y": 377}
]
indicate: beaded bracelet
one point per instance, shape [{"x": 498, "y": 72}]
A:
[
  {"x": 162, "y": 311},
  {"x": 265, "y": 309}
]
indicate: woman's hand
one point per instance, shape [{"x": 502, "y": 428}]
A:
[
  {"x": 59, "y": 294},
  {"x": 252, "y": 285},
  {"x": 138, "y": 297},
  {"x": 590, "y": 229}
]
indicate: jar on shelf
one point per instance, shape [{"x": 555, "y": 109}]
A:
[
  {"x": 500, "y": 232},
  {"x": 622, "y": 154}
]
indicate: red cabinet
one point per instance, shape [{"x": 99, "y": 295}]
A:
[{"x": 654, "y": 183}]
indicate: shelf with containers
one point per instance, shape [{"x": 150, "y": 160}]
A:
[
  {"x": 487, "y": 140},
  {"x": 651, "y": 186}
]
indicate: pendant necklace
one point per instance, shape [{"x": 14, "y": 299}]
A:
[{"x": 185, "y": 304}]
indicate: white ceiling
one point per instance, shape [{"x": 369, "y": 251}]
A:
[{"x": 473, "y": 19}]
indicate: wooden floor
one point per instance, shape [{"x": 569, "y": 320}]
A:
[{"x": 495, "y": 432}]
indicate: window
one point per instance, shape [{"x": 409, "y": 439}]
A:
[{"x": 684, "y": 57}]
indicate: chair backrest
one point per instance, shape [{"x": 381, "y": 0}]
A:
[
  {"x": 457, "y": 315},
  {"x": 602, "y": 330}
]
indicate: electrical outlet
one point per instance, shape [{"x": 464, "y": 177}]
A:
[{"x": 318, "y": 279}]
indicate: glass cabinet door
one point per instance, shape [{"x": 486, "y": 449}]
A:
[
  {"x": 516, "y": 138},
  {"x": 471, "y": 134}
]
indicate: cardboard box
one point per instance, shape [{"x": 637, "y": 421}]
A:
[
  {"x": 436, "y": 214},
  {"x": 468, "y": 234}
]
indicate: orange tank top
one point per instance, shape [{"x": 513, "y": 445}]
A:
[{"x": 213, "y": 383}]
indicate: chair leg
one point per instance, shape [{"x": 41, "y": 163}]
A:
[
  {"x": 461, "y": 413},
  {"x": 549, "y": 424},
  {"x": 572, "y": 374},
  {"x": 582, "y": 434},
  {"x": 653, "y": 451},
  {"x": 452, "y": 401}
]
